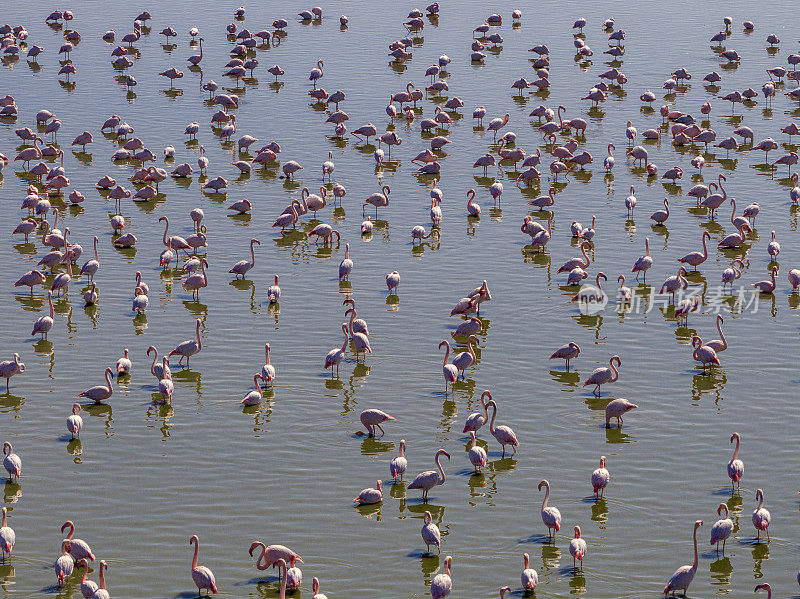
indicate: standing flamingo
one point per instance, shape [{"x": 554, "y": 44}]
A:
[
  {"x": 529, "y": 577},
  {"x": 188, "y": 348},
  {"x": 243, "y": 266},
  {"x": 64, "y": 564},
  {"x": 336, "y": 355},
  {"x": 684, "y": 575},
  {"x": 767, "y": 286},
  {"x": 604, "y": 374},
  {"x": 477, "y": 454},
  {"x": 203, "y": 577},
  {"x": 430, "y": 534},
  {"x": 88, "y": 587},
  {"x": 101, "y": 592},
  {"x": 99, "y": 393},
  {"x": 267, "y": 370},
  {"x": 254, "y": 397},
  {"x": 476, "y": 420},
  {"x": 399, "y": 464},
  {"x": 465, "y": 359},
  {"x": 718, "y": 345},
  {"x": 503, "y": 434},
  {"x": 577, "y": 547},
  {"x": 74, "y": 421},
  {"x": 697, "y": 258},
  {"x": 7, "y": 536},
  {"x": 550, "y": 515},
  {"x": 11, "y": 462},
  {"x": 722, "y": 528},
  {"x": 79, "y": 549},
  {"x": 442, "y": 584},
  {"x": 430, "y": 478},
  {"x": 600, "y": 479},
  {"x": 761, "y": 516},
  {"x": 449, "y": 371},
  {"x": 567, "y": 352},
  {"x": 372, "y": 419}
]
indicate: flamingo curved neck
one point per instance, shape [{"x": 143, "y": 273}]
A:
[
  {"x": 546, "y": 496},
  {"x": 442, "y": 476},
  {"x": 196, "y": 551}
]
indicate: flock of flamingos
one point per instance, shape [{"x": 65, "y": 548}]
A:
[{"x": 43, "y": 166}]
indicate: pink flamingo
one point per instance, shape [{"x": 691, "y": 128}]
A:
[
  {"x": 74, "y": 421},
  {"x": 473, "y": 208},
  {"x": 442, "y": 584},
  {"x": 766, "y": 587},
  {"x": 465, "y": 359},
  {"x": 718, "y": 345},
  {"x": 64, "y": 564},
  {"x": 617, "y": 409},
  {"x": 703, "y": 354},
  {"x": 399, "y": 464},
  {"x": 722, "y": 528},
  {"x": 43, "y": 324},
  {"x": 372, "y": 419},
  {"x": 477, "y": 455},
  {"x": 695, "y": 259},
  {"x": 430, "y": 534},
  {"x": 100, "y": 393},
  {"x": 674, "y": 283},
  {"x": 79, "y": 548},
  {"x": 270, "y": 555},
  {"x": 9, "y": 368},
  {"x": 684, "y": 575},
  {"x": 661, "y": 216},
  {"x": 567, "y": 352},
  {"x": 529, "y": 577},
  {"x": 577, "y": 547},
  {"x": 254, "y": 397},
  {"x": 430, "y": 478},
  {"x": 503, "y": 434},
  {"x": 243, "y": 266},
  {"x": 294, "y": 575},
  {"x": 267, "y": 370},
  {"x": 761, "y": 516},
  {"x": 101, "y": 592},
  {"x": 336, "y": 355},
  {"x": 476, "y": 420},
  {"x": 643, "y": 264},
  {"x": 11, "y": 462},
  {"x": 767, "y": 286},
  {"x": 370, "y": 496},
  {"x": 600, "y": 479},
  {"x": 449, "y": 371},
  {"x": 550, "y": 515},
  {"x": 7, "y": 536},
  {"x": 604, "y": 374},
  {"x": 188, "y": 348},
  {"x": 88, "y": 587},
  {"x": 203, "y": 577}
]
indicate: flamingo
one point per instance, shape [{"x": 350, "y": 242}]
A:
[
  {"x": 272, "y": 554},
  {"x": 88, "y": 587},
  {"x": 267, "y": 370},
  {"x": 64, "y": 564},
  {"x": 74, "y": 421},
  {"x": 7, "y": 536},
  {"x": 254, "y": 397},
  {"x": 465, "y": 359},
  {"x": 160, "y": 371},
  {"x": 722, "y": 528},
  {"x": 243, "y": 266},
  {"x": 358, "y": 325},
  {"x": 643, "y": 264},
  {"x": 661, "y": 216},
  {"x": 372, "y": 419},
  {"x": 473, "y": 208},
  {"x": 761, "y": 516},
  {"x": 476, "y": 420},
  {"x": 100, "y": 393},
  {"x": 600, "y": 479},
  {"x": 346, "y": 265},
  {"x": 574, "y": 263},
  {"x": 617, "y": 409},
  {"x": 370, "y": 496},
  {"x": 430, "y": 478},
  {"x": 399, "y": 464},
  {"x": 449, "y": 371},
  {"x": 767, "y": 286},
  {"x": 684, "y": 575},
  {"x": 604, "y": 374},
  {"x": 729, "y": 275},
  {"x": 703, "y": 354},
  {"x": 503, "y": 434},
  {"x": 430, "y": 534},
  {"x": 793, "y": 276},
  {"x": 203, "y": 577},
  {"x": 11, "y": 462},
  {"x": 718, "y": 345},
  {"x": 674, "y": 283},
  {"x": 608, "y": 161},
  {"x": 577, "y": 547},
  {"x": 550, "y": 515},
  {"x": 124, "y": 364},
  {"x": 735, "y": 240},
  {"x": 79, "y": 548},
  {"x": 630, "y": 202},
  {"x": 442, "y": 584},
  {"x": 315, "y": 589},
  {"x": 336, "y": 355},
  {"x": 90, "y": 267},
  {"x": 773, "y": 248},
  {"x": 567, "y": 352},
  {"x": 294, "y": 575},
  {"x": 471, "y": 326},
  {"x": 766, "y": 587},
  {"x": 188, "y": 348},
  {"x": 695, "y": 259},
  {"x": 477, "y": 455},
  {"x": 685, "y": 307}
]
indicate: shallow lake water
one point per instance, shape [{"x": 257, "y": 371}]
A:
[{"x": 145, "y": 476}]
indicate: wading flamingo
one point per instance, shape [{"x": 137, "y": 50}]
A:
[
  {"x": 203, "y": 577},
  {"x": 684, "y": 575},
  {"x": 604, "y": 374},
  {"x": 430, "y": 478},
  {"x": 503, "y": 434},
  {"x": 550, "y": 515}
]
